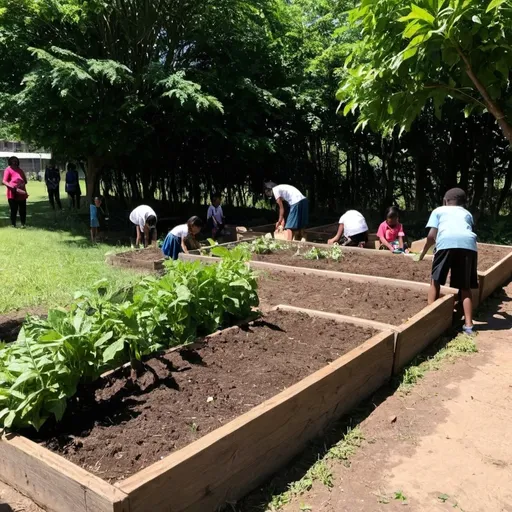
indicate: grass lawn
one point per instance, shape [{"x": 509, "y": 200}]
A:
[{"x": 45, "y": 264}]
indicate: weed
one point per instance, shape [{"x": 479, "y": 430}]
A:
[
  {"x": 443, "y": 497},
  {"x": 305, "y": 508},
  {"x": 345, "y": 448},
  {"x": 320, "y": 470},
  {"x": 400, "y": 496},
  {"x": 461, "y": 345},
  {"x": 194, "y": 427}
]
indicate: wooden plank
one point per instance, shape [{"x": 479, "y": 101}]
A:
[
  {"x": 422, "y": 330},
  {"x": 227, "y": 463},
  {"x": 53, "y": 482},
  {"x": 495, "y": 277},
  {"x": 361, "y": 322}
]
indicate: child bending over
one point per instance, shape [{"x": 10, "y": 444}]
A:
[
  {"x": 174, "y": 242},
  {"x": 391, "y": 232},
  {"x": 352, "y": 230},
  {"x": 451, "y": 230}
]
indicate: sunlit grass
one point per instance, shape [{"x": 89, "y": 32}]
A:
[{"x": 45, "y": 264}]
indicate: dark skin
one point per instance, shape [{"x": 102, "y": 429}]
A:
[
  {"x": 392, "y": 222},
  {"x": 435, "y": 288},
  {"x": 15, "y": 166}
]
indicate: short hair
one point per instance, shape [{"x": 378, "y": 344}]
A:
[
  {"x": 195, "y": 221},
  {"x": 215, "y": 196},
  {"x": 456, "y": 196},
  {"x": 71, "y": 166},
  {"x": 393, "y": 212},
  {"x": 151, "y": 221},
  {"x": 12, "y": 158}
]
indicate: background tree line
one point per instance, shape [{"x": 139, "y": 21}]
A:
[{"x": 172, "y": 99}]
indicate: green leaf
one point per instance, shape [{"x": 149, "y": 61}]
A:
[
  {"x": 494, "y": 4},
  {"x": 106, "y": 337},
  {"x": 112, "y": 350},
  {"x": 418, "y": 13}
]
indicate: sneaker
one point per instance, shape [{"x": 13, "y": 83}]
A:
[{"x": 468, "y": 330}]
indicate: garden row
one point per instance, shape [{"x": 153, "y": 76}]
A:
[{"x": 209, "y": 421}]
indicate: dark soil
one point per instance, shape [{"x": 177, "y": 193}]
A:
[
  {"x": 371, "y": 301},
  {"x": 489, "y": 256},
  {"x": 150, "y": 254},
  {"x": 10, "y": 323},
  {"x": 369, "y": 263},
  {"x": 124, "y": 428},
  {"x": 361, "y": 262}
]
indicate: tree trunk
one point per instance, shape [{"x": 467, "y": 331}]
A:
[
  {"x": 92, "y": 177},
  {"x": 492, "y": 106}
]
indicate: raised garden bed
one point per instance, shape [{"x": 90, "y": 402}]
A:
[
  {"x": 150, "y": 259},
  {"x": 125, "y": 429},
  {"x": 372, "y": 301}
]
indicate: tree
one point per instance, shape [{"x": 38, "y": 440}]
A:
[{"x": 430, "y": 50}]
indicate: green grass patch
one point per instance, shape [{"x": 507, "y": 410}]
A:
[
  {"x": 45, "y": 264},
  {"x": 461, "y": 345},
  {"x": 320, "y": 471}
]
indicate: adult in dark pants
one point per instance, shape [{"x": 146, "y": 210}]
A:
[
  {"x": 73, "y": 186},
  {"x": 52, "y": 180},
  {"x": 15, "y": 181}
]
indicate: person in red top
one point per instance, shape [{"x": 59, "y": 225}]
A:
[
  {"x": 15, "y": 181},
  {"x": 391, "y": 232}
]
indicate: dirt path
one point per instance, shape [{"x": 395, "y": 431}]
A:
[{"x": 445, "y": 446}]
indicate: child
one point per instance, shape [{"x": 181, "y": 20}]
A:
[
  {"x": 215, "y": 216},
  {"x": 144, "y": 221},
  {"x": 298, "y": 217},
  {"x": 451, "y": 229},
  {"x": 391, "y": 232},
  {"x": 353, "y": 228},
  {"x": 96, "y": 211},
  {"x": 174, "y": 242}
]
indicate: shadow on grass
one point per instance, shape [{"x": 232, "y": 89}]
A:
[{"x": 261, "y": 499}]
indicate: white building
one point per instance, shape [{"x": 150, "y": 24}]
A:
[{"x": 32, "y": 160}]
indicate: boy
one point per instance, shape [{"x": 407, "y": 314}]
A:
[
  {"x": 353, "y": 227},
  {"x": 298, "y": 217},
  {"x": 215, "y": 216},
  {"x": 144, "y": 220},
  {"x": 451, "y": 229}
]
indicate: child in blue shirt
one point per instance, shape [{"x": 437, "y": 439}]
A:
[
  {"x": 96, "y": 212},
  {"x": 451, "y": 230}
]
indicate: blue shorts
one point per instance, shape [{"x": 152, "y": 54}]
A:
[
  {"x": 172, "y": 247},
  {"x": 298, "y": 217}
]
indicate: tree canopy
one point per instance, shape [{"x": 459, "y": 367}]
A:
[
  {"x": 429, "y": 51},
  {"x": 173, "y": 99}
]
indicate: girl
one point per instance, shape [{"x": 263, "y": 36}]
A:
[
  {"x": 174, "y": 242},
  {"x": 298, "y": 217},
  {"x": 391, "y": 232},
  {"x": 96, "y": 212},
  {"x": 15, "y": 181}
]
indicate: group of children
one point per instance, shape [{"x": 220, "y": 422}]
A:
[{"x": 451, "y": 231}]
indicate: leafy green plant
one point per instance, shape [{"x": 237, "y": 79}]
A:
[
  {"x": 315, "y": 254},
  {"x": 43, "y": 368},
  {"x": 265, "y": 245}
]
